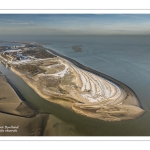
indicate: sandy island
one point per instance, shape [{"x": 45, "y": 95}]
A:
[{"x": 58, "y": 80}]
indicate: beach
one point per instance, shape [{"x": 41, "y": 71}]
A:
[{"x": 61, "y": 82}]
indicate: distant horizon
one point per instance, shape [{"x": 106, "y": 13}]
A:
[
  {"x": 77, "y": 35},
  {"x": 74, "y": 24},
  {"x": 65, "y": 38}
]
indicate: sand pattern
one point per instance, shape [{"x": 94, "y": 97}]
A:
[{"x": 89, "y": 94}]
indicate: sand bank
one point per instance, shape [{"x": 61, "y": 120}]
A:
[{"x": 85, "y": 93}]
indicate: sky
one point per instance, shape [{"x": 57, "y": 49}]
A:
[{"x": 74, "y": 24}]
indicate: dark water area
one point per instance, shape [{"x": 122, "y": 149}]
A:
[{"x": 125, "y": 58}]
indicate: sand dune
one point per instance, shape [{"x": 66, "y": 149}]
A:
[
  {"x": 94, "y": 96},
  {"x": 104, "y": 99}
]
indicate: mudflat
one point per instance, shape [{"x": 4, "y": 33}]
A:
[{"x": 19, "y": 119}]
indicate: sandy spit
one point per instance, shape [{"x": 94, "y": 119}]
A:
[{"x": 108, "y": 110}]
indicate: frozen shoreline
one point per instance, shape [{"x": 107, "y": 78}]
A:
[
  {"x": 96, "y": 97},
  {"x": 92, "y": 95}
]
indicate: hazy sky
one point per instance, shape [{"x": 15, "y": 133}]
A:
[{"x": 74, "y": 24}]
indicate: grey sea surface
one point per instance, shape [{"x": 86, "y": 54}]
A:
[{"x": 125, "y": 58}]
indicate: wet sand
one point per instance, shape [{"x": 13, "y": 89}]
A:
[
  {"x": 17, "y": 117},
  {"x": 20, "y": 119}
]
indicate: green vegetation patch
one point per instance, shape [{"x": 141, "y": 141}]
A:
[
  {"x": 32, "y": 69},
  {"x": 49, "y": 63},
  {"x": 67, "y": 79},
  {"x": 38, "y": 52},
  {"x": 53, "y": 89},
  {"x": 53, "y": 69},
  {"x": 4, "y": 56},
  {"x": 50, "y": 81}
]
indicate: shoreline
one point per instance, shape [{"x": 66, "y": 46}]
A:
[
  {"x": 119, "y": 83},
  {"x": 39, "y": 92},
  {"x": 111, "y": 79},
  {"x": 111, "y": 112},
  {"x": 62, "y": 80}
]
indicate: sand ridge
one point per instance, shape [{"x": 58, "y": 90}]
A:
[{"x": 86, "y": 93}]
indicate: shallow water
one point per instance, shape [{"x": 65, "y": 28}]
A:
[{"x": 124, "y": 58}]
